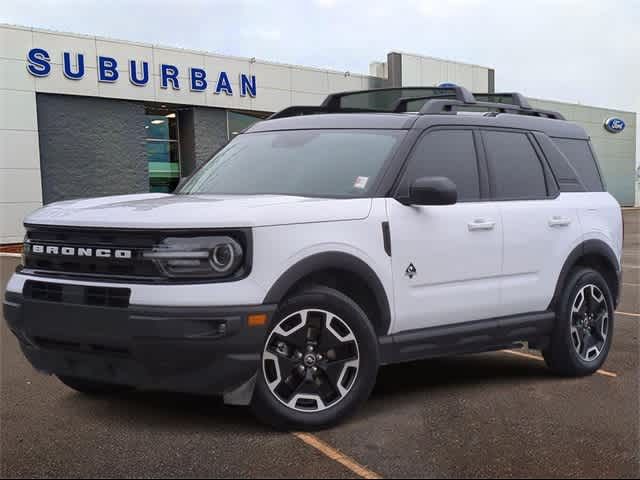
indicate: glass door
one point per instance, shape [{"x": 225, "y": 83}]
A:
[{"x": 163, "y": 152}]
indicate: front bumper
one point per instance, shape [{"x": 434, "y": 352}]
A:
[{"x": 209, "y": 350}]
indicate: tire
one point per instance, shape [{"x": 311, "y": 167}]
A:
[
  {"x": 572, "y": 351},
  {"x": 346, "y": 361},
  {"x": 90, "y": 387}
]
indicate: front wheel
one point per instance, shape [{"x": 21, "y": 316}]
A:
[
  {"x": 319, "y": 361},
  {"x": 584, "y": 326}
]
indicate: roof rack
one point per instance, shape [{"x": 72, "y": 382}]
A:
[
  {"x": 433, "y": 101},
  {"x": 380, "y": 100}
]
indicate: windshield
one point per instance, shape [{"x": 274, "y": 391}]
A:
[{"x": 321, "y": 163}]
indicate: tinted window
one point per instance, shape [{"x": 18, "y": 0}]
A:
[
  {"x": 323, "y": 163},
  {"x": 447, "y": 153},
  {"x": 514, "y": 165},
  {"x": 581, "y": 159},
  {"x": 565, "y": 174}
]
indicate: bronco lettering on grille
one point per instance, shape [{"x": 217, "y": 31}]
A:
[{"x": 82, "y": 251}]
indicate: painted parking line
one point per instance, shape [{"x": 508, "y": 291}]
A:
[
  {"x": 335, "y": 455},
  {"x": 628, "y": 313},
  {"x": 536, "y": 357}
]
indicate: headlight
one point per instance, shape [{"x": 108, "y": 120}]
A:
[{"x": 199, "y": 257}]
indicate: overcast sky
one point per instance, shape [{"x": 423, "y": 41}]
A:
[{"x": 585, "y": 51}]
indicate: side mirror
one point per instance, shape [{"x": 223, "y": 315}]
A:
[{"x": 433, "y": 191}]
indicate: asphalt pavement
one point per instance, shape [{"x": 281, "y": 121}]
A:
[{"x": 497, "y": 414}]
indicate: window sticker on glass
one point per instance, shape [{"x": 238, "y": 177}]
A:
[{"x": 361, "y": 182}]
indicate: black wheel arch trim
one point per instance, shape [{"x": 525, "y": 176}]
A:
[
  {"x": 588, "y": 247},
  {"x": 333, "y": 260}
]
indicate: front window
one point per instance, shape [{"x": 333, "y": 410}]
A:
[{"x": 318, "y": 163}]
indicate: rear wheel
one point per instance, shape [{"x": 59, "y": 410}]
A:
[
  {"x": 91, "y": 387},
  {"x": 319, "y": 362},
  {"x": 584, "y": 326}
]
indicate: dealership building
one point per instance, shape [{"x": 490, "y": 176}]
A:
[{"x": 84, "y": 116}]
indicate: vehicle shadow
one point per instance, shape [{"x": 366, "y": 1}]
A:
[
  {"x": 401, "y": 383},
  {"x": 168, "y": 411},
  {"x": 396, "y": 383}
]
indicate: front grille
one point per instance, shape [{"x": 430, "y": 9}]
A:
[
  {"x": 77, "y": 294},
  {"x": 131, "y": 268},
  {"x": 135, "y": 267}
]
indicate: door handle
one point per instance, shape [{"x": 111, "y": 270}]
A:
[
  {"x": 558, "y": 221},
  {"x": 481, "y": 224}
]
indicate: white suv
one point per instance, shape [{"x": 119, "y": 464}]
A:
[{"x": 328, "y": 241}]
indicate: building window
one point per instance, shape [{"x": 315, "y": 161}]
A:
[
  {"x": 237, "y": 122},
  {"x": 163, "y": 152}
]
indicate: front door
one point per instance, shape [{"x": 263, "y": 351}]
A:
[{"x": 446, "y": 259}]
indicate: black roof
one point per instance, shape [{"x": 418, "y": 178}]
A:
[{"x": 337, "y": 120}]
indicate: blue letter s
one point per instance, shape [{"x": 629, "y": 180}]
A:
[{"x": 39, "y": 65}]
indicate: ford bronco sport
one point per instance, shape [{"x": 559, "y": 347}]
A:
[{"x": 383, "y": 226}]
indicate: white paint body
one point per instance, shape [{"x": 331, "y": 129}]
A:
[{"x": 473, "y": 260}]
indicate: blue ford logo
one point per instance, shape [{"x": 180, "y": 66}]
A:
[{"x": 614, "y": 125}]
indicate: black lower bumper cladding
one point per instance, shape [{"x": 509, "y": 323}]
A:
[{"x": 209, "y": 350}]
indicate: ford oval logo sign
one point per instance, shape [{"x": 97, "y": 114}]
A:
[{"x": 614, "y": 125}]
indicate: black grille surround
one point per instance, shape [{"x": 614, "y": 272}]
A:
[{"x": 135, "y": 269}]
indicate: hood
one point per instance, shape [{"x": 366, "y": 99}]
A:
[{"x": 165, "y": 211}]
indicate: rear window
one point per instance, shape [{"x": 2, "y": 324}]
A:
[
  {"x": 580, "y": 157},
  {"x": 515, "y": 166}
]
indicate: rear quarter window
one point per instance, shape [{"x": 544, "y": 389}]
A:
[{"x": 580, "y": 156}]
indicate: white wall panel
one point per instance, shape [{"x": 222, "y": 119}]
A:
[
  {"x": 18, "y": 110},
  {"x": 11, "y": 229},
  {"x": 305, "y": 98},
  {"x": 20, "y": 185},
  {"x": 339, "y": 82},
  {"x": 123, "y": 52},
  {"x": 272, "y": 76},
  {"x": 124, "y": 89},
  {"x": 19, "y": 149},
  {"x": 411, "y": 75},
  {"x": 480, "y": 79},
  {"x": 272, "y": 100},
  {"x": 312, "y": 81},
  {"x": 183, "y": 60},
  {"x": 56, "y": 82},
  {"x": 14, "y": 75},
  {"x": 56, "y": 44},
  {"x": 15, "y": 42},
  {"x": 222, "y": 100}
]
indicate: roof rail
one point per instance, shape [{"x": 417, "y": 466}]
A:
[
  {"x": 333, "y": 102},
  {"x": 440, "y": 106},
  {"x": 436, "y": 100}
]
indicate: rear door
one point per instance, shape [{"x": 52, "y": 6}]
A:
[
  {"x": 540, "y": 227},
  {"x": 446, "y": 260}
]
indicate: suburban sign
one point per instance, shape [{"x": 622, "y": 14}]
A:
[{"x": 108, "y": 71}]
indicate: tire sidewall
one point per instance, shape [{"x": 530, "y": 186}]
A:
[
  {"x": 271, "y": 410},
  {"x": 577, "y": 281}
]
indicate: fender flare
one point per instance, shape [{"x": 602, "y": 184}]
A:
[
  {"x": 588, "y": 247},
  {"x": 332, "y": 260}
]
